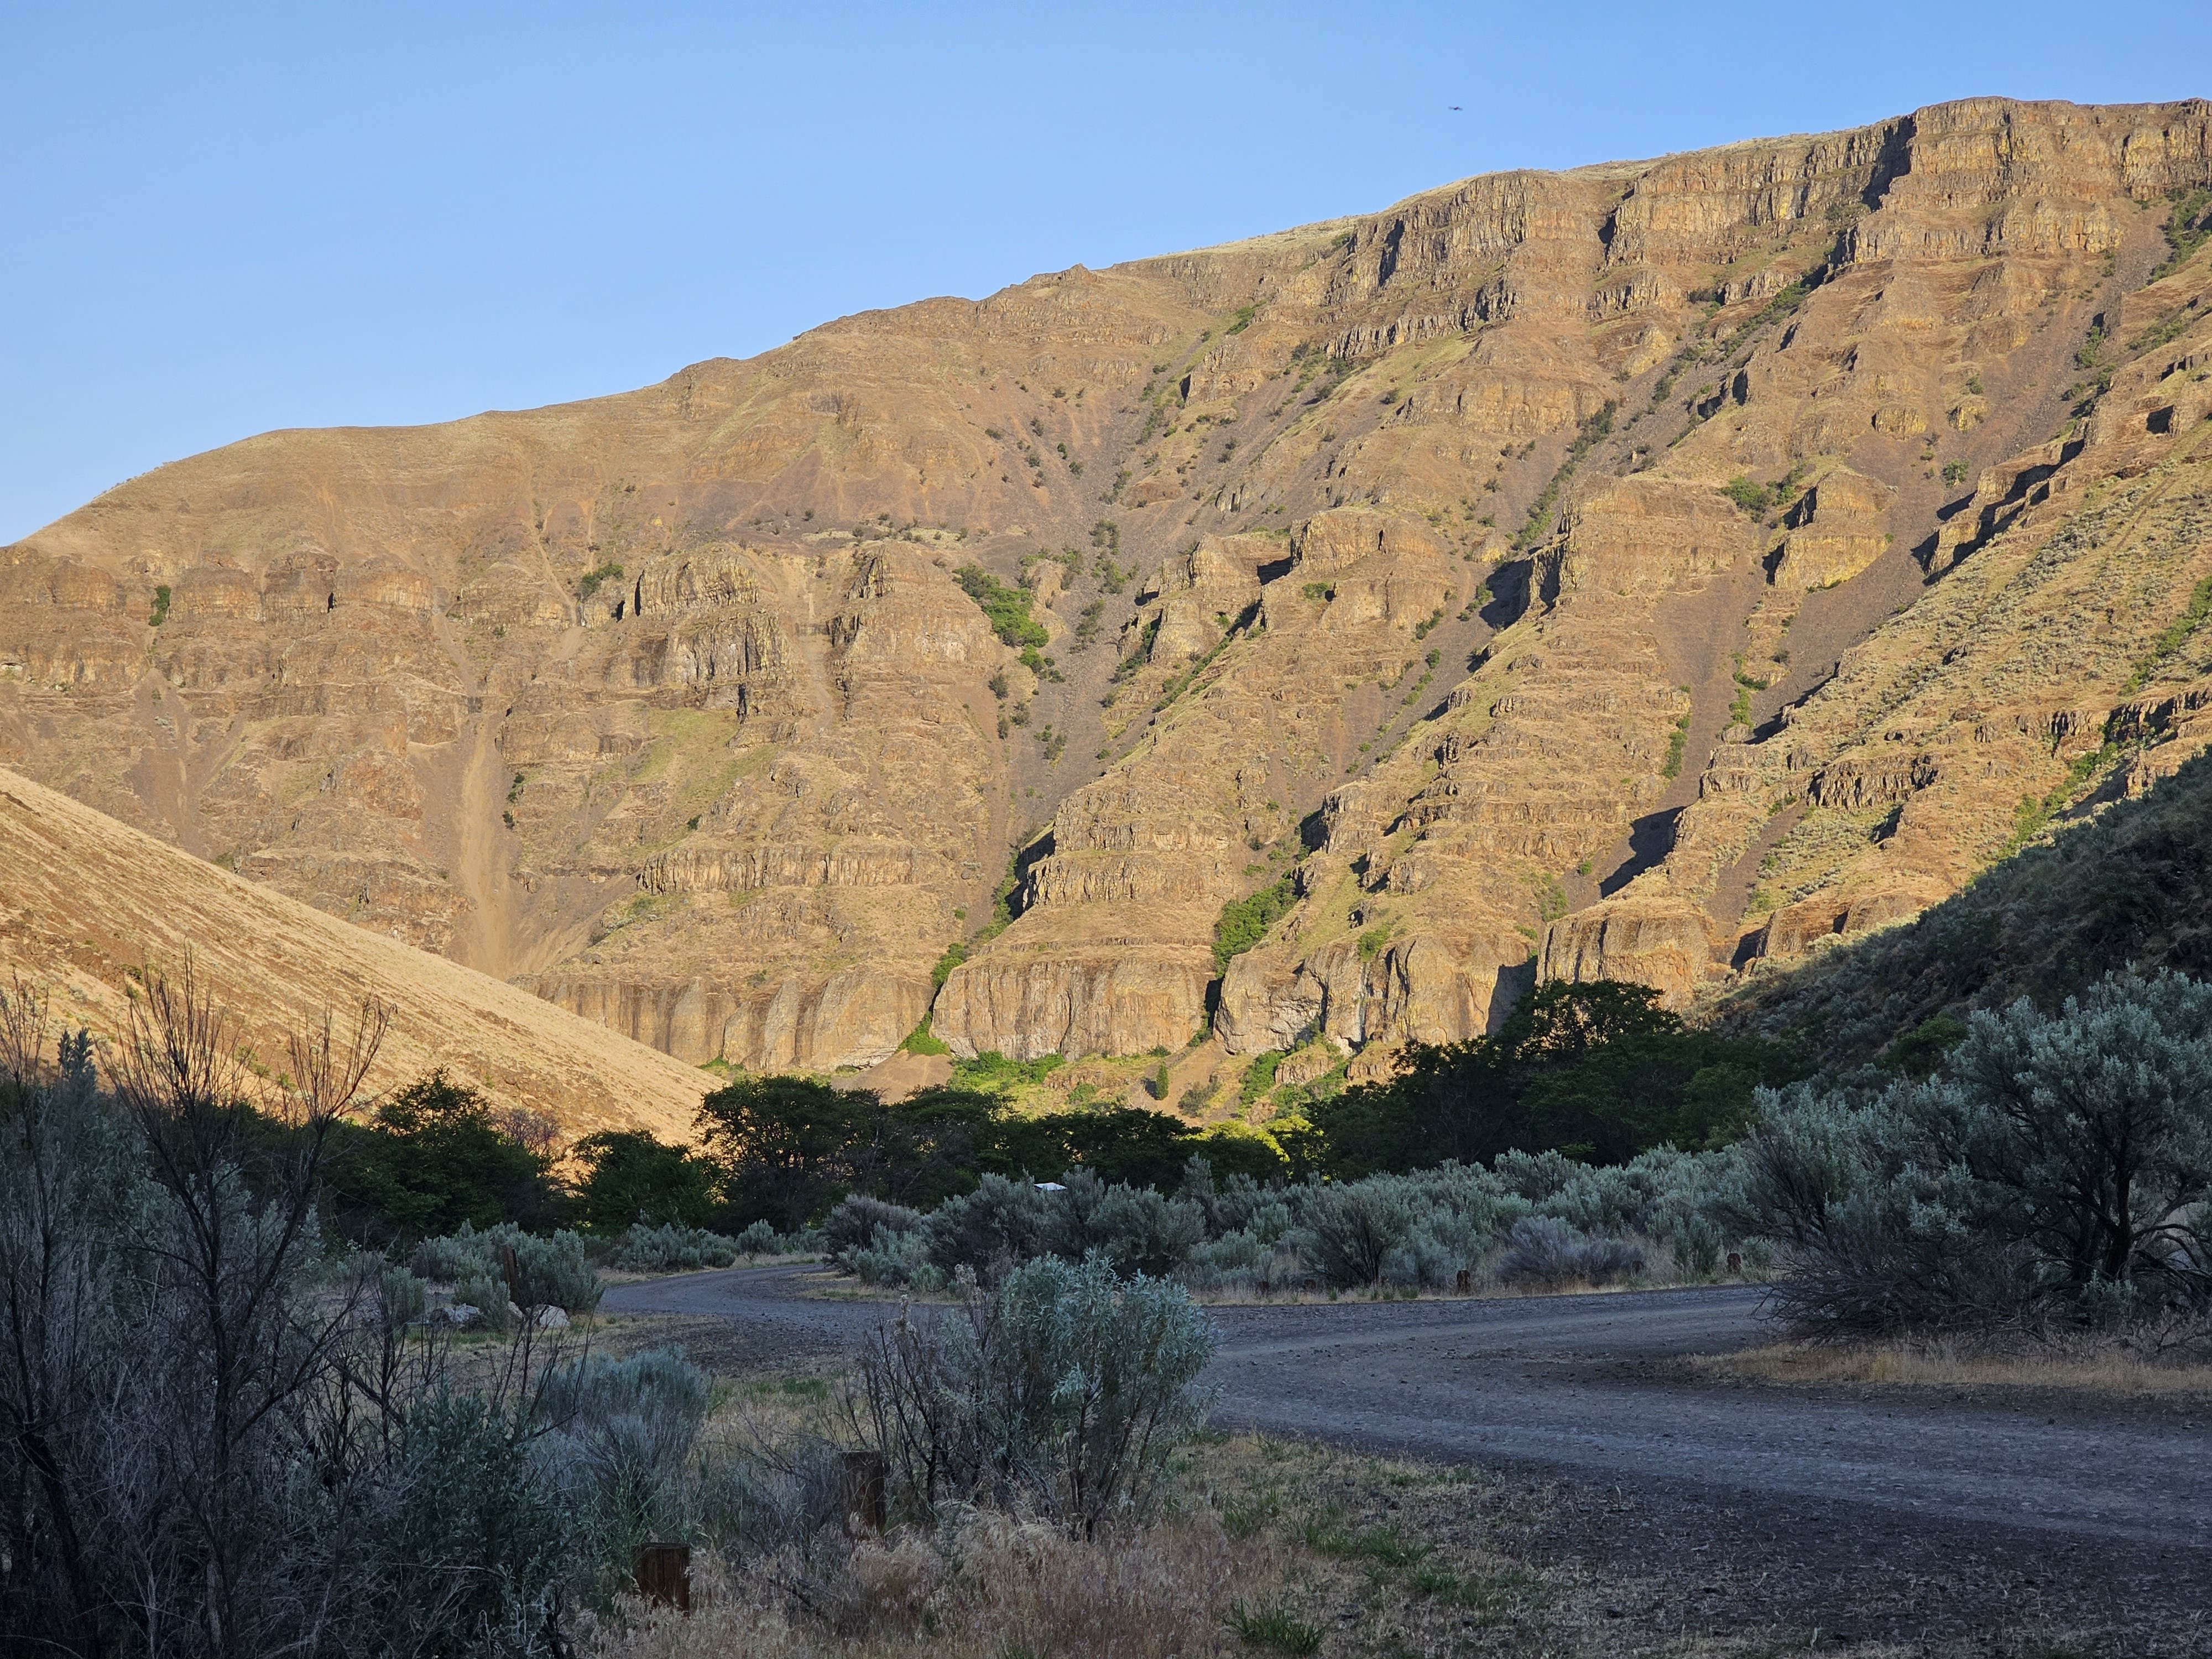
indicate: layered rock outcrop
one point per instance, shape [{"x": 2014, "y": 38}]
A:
[{"x": 1567, "y": 572}]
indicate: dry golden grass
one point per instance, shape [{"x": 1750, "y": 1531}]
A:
[
  {"x": 1271, "y": 1550},
  {"x": 2086, "y": 1366},
  {"x": 995, "y": 1587},
  {"x": 87, "y": 900}
]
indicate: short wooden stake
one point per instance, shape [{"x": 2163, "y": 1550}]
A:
[
  {"x": 861, "y": 1493},
  {"x": 664, "y": 1575}
]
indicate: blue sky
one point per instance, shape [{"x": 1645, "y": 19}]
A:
[{"x": 214, "y": 221}]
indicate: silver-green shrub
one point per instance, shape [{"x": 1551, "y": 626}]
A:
[
  {"x": 857, "y": 1220},
  {"x": 670, "y": 1248},
  {"x": 1544, "y": 1251},
  {"x": 487, "y": 1293},
  {"x": 1064, "y": 1389},
  {"x": 618, "y": 1439},
  {"x": 1349, "y": 1232},
  {"x": 402, "y": 1297},
  {"x": 2057, "y": 1162},
  {"x": 988, "y": 1231}
]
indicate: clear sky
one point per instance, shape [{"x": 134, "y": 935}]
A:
[{"x": 218, "y": 220}]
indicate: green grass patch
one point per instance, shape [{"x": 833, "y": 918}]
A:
[
  {"x": 1006, "y": 608},
  {"x": 1493, "y": 1593},
  {"x": 1676, "y": 741},
  {"x": 955, "y": 954},
  {"x": 1546, "y": 506},
  {"x": 1244, "y": 922},
  {"x": 919, "y": 1042},
  {"x": 993, "y": 1073},
  {"x": 1383, "y": 1546},
  {"x": 1258, "y": 1077},
  {"x": 2029, "y": 817},
  {"x": 1274, "y": 1629},
  {"x": 2187, "y": 228},
  {"x": 2175, "y": 634}
]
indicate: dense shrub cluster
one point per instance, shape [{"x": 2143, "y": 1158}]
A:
[
  {"x": 664, "y": 1250},
  {"x": 550, "y": 1270},
  {"x": 2055, "y": 1164},
  {"x": 1404, "y": 1232},
  {"x": 221, "y": 1437}
]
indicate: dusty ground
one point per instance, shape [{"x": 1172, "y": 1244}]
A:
[{"x": 1983, "y": 1520}]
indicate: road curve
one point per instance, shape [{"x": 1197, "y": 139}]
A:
[{"x": 1583, "y": 1385}]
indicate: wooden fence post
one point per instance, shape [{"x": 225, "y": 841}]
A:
[
  {"x": 862, "y": 1492},
  {"x": 663, "y": 1573}
]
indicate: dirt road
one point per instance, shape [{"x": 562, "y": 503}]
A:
[
  {"x": 1583, "y": 1384},
  {"x": 1903, "y": 1513}
]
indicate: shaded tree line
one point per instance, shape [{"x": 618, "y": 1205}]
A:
[{"x": 1598, "y": 1071}]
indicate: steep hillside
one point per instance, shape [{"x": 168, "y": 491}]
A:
[
  {"x": 2130, "y": 887},
  {"x": 1635, "y": 571},
  {"x": 85, "y": 900}
]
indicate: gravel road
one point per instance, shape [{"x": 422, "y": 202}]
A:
[
  {"x": 1906, "y": 1514},
  {"x": 1583, "y": 1385}
]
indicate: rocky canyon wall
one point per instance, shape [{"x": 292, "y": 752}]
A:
[{"x": 1647, "y": 571}]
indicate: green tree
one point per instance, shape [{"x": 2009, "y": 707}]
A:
[
  {"x": 434, "y": 1157},
  {"x": 631, "y": 1176},
  {"x": 1597, "y": 1071},
  {"x": 784, "y": 1150}
]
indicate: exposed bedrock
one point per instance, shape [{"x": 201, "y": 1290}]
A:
[{"x": 1654, "y": 570}]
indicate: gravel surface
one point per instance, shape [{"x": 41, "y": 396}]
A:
[{"x": 1911, "y": 1512}]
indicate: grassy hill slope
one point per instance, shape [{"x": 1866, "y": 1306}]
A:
[{"x": 83, "y": 899}]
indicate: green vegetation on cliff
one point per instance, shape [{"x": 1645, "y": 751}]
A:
[{"x": 1006, "y": 608}]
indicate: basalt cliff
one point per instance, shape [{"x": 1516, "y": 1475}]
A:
[{"x": 1656, "y": 570}]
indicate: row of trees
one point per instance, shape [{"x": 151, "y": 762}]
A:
[
  {"x": 437, "y": 1153},
  {"x": 1600, "y": 1073},
  {"x": 1985, "y": 1167}
]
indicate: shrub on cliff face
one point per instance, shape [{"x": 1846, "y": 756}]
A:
[{"x": 1244, "y": 923}]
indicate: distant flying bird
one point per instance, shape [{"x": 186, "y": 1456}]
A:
[{"x": 1455, "y": 105}]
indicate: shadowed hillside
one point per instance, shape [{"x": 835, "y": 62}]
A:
[{"x": 2131, "y": 888}]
